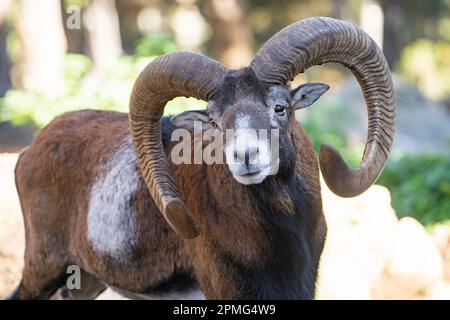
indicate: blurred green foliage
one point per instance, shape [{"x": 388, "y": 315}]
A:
[
  {"x": 156, "y": 45},
  {"x": 20, "y": 107},
  {"x": 420, "y": 187},
  {"x": 110, "y": 91},
  {"x": 427, "y": 63},
  {"x": 326, "y": 122},
  {"x": 419, "y": 184}
]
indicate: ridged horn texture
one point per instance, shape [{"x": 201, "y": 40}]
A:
[
  {"x": 320, "y": 40},
  {"x": 167, "y": 77}
]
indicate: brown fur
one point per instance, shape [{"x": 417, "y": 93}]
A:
[{"x": 53, "y": 176}]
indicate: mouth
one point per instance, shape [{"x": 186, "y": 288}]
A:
[
  {"x": 250, "y": 175},
  {"x": 253, "y": 177}
]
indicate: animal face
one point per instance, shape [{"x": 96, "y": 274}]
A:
[{"x": 253, "y": 119}]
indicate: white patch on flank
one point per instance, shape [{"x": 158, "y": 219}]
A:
[
  {"x": 193, "y": 293},
  {"x": 111, "y": 221}
]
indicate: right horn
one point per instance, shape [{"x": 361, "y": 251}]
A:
[{"x": 320, "y": 40}]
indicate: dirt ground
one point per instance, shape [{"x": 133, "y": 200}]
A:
[{"x": 11, "y": 227}]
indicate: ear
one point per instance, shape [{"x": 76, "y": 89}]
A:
[
  {"x": 186, "y": 119},
  {"x": 306, "y": 94}
]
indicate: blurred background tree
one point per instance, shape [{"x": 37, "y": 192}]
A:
[
  {"x": 4, "y": 59},
  {"x": 62, "y": 55}
]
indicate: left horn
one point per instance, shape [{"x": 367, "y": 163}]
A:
[{"x": 167, "y": 77}]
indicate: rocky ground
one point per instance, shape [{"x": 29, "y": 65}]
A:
[
  {"x": 369, "y": 253},
  {"x": 11, "y": 227}
]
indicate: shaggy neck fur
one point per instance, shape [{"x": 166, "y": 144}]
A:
[
  {"x": 285, "y": 267},
  {"x": 285, "y": 211}
]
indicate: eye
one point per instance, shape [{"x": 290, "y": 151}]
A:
[
  {"x": 213, "y": 123},
  {"x": 280, "y": 109}
]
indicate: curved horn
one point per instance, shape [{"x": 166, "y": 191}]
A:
[
  {"x": 167, "y": 77},
  {"x": 320, "y": 40}
]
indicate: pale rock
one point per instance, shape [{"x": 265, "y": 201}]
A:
[
  {"x": 441, "y": 236},
  {"x": 439, "y": 291},
  {"x": 360, "y": 235},
  {"x": 12, "y": 235},
  {"x": 416, "y": 262}
]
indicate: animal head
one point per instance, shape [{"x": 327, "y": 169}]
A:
[
  {"x": 259, "y": 97},
  {"x": 253, "y": 113}
]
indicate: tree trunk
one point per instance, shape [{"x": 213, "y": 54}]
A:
[
  {"x": 339, "y": 9},
  {"x": 5, "y": 83},
  {"x": 372, "y": 20},
  {"x": 189, "y": 26},
  {"x": 232, "y": 42},
  {"x": 393, "y": 35},
  {"x": 102, "y": 23},
  {"x": 44, "y": 45}
]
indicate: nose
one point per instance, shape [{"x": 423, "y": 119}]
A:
[{"x": 247, "y": 154}]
